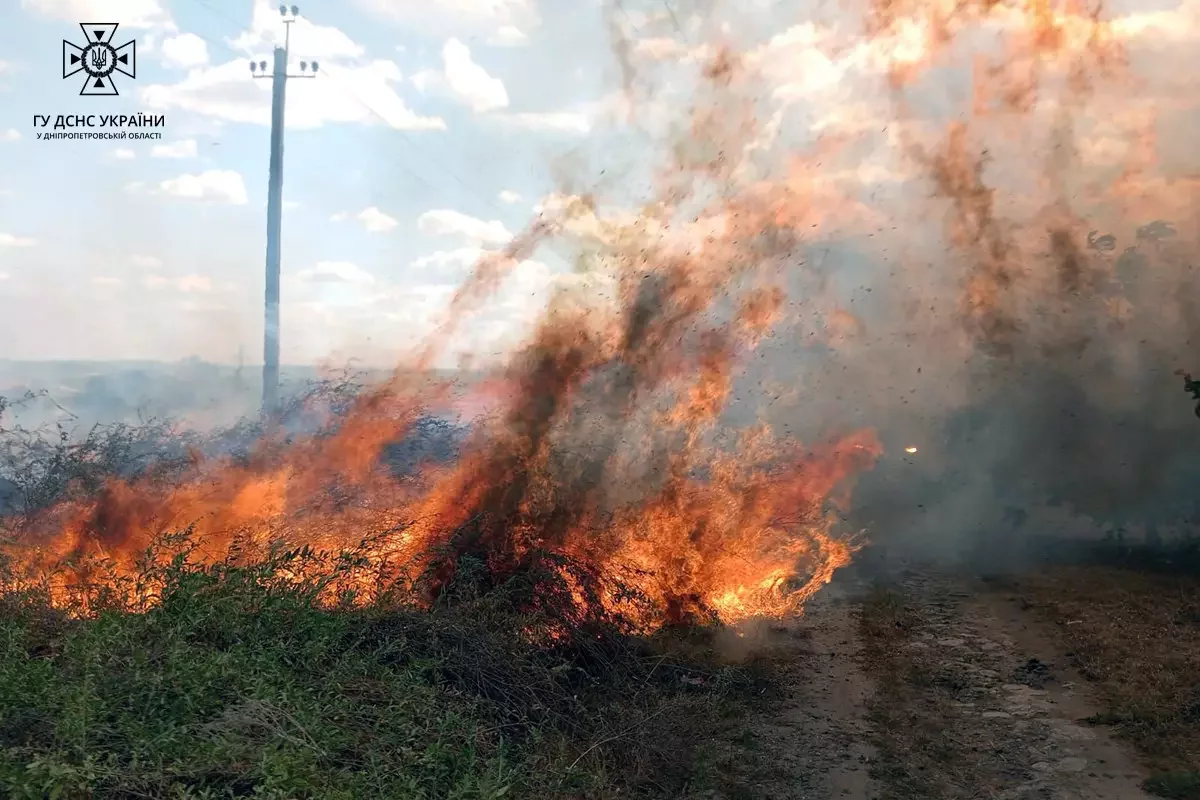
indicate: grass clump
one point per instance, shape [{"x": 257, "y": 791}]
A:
[{"x": 240, "y": 680}]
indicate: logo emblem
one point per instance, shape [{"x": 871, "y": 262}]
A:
[{"x": 98, "y": 59}]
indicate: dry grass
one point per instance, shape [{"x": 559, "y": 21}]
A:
[
  {"x": 1137, "y": 636},
  {"x": 243, "y": 681}
]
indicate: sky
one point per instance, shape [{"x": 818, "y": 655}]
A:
[
  {"x": 428, "y": 135},
  {"x": 432, "y": 132}
]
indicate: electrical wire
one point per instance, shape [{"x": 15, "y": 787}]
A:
[{"x": 354, "y": 95}]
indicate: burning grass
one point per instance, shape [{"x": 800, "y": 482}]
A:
[
  {"x": 243, "y": 680},
  {"x": 504, "y": 621},
  {"x": 493, "y": 664},
  {"x": 608, "y": 450}
]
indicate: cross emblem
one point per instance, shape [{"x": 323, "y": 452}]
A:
[{"x": 98, "y": 59}]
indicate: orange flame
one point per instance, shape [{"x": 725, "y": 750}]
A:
[
  {"x": 611, "y": 447},
  {"x": 607, "y": 452}
]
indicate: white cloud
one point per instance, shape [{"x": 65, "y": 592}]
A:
[
  {"x": 446, "y": 222},
  {"x": 145, "y": 262},
  {"x": 508, "y": 36},
  {"x": 133, "y": 13},
  {"x": 427, "y": 79},
  {"x": 360, "y": 94},
  {"x": 184, "y": 148},
  {"x": 471, "y": 82},
  {"x": 553, "y": 121},
  {"x": 9, "y": 240},
  {"x": 797, "y": 62},
  {"x": 348, "y": 88},
  {"x": 320, "y": 41},
  {"x": 4, "y": 276},
  {"x": 529, "y": 277},
  {"x": 215, "y": 185},
  {"x": 509, "y": 197},
  {"x": 199, "y": 284},
  {"x": 458, "y": 16},
  {"x": 524, "y": 288},
  {"x": 106, "y": 280},
  {"x": 188, "y": 284},
  {"x": 375, "y": 221},
  {"x": 185, "y": 51},
  {"x": 336, "y": 272},
  {"x": 10, "y": 135},
  {"x": 448, "y": 266},
  {"x": 123, "y": 154}
]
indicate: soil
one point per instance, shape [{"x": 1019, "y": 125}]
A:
[{"x": 923, "y": 683}]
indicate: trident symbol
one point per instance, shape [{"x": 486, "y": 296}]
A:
[{"x": 99, "y": 59}]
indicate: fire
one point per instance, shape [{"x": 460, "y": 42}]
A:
[
  {"x": 697, "y": 530},
  {"x": 609, "y": 449},
  {"x": 609, "y": 445}
]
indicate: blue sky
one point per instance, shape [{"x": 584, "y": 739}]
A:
[
  {"x": 427, "y": 135},
  {"x": 433, "y": 132}
]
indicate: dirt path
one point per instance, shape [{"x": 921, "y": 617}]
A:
[
  {"x": 815, "y": 743},
  {"x": 838, "y": 694},
  {"x": 922, "y": 685},
  {"x": 975, "y": 698}
]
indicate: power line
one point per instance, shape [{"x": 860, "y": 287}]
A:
[
  {"x": 675, "y": 20},
  {"x": 271, "y": 305},
  {"x": 347, "y": 89}
]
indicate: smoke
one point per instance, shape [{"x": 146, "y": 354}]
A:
[
  {"x": 997, "y": 263},
  {"x": 947, "y": 222}
]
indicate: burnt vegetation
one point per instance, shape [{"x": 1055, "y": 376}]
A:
[{"x": 268, "y": 677}]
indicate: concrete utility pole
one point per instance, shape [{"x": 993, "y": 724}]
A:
[{"x": 279, "y": 74}]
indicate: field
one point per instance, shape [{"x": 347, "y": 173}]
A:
[
  {"x": 232, "y": 686},
  {"x": 267, "y": 677},
  {"x": 236, "y": 677},
  {"x": 811, "y": 419}
]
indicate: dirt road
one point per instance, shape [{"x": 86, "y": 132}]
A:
[{"x": 924, "y": 684}]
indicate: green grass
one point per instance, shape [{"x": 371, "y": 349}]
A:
[
  {"x": 1175, "y": 785},
  {"x": 237, "y": 684}
]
